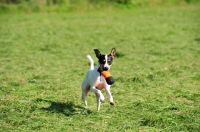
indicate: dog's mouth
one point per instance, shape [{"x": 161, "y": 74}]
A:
[{"x": 105, "y": 68}]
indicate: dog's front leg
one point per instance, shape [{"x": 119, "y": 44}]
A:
[
  {"x": 92, "y": 88},
  {"x": 98, "y": 102},
  {"x": 108, "y": 93},
  {"x": 98, "y": 95}
]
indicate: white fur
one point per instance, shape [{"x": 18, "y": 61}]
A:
[
  {"x": 106, "y": 64},
  {"x": 94, "y": 82}
]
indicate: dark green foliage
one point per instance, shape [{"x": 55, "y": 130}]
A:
[{"x": 81, "y": 5}]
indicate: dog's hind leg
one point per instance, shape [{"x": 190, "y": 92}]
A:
[
  {"x": 84, "y": 96},
  {"x": 85, "y": 90}
]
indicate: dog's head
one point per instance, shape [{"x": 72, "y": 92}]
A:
[{"x": 105, "y": 61}]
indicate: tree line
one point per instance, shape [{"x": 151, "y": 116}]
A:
[{"x": 58, "y": 2}]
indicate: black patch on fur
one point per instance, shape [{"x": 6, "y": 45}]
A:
[
  {"x": 102, "y": 59},
  {"x": 110, "y": 59}
]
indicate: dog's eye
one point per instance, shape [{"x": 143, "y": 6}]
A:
[
  {"x": 102, "y": 61},
  {"x": 109, "y": 62}
]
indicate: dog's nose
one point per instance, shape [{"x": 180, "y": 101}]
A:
[{"x": 105, "y": 68}]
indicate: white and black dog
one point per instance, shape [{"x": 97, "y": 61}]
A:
[{"x": 94, "y": 81}]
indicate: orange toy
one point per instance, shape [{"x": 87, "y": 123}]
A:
[{"x": 106, "y": 74}]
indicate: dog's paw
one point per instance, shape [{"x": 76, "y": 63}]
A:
[
  {"x": 102, "y": 101},
  {"x": 112, "y": 103}
]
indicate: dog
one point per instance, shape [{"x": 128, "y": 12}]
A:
[{"x": 94, "y": 81}]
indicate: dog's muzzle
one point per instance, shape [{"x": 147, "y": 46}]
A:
[{"x": 105, "y": 68}]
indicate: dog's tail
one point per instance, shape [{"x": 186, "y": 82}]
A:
[{"x": 91, "y": 62}]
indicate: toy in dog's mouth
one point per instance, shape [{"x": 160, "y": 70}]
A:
[{"x": 106, "y": 74}]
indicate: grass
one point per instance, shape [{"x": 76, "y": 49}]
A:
[{"x": 43, "y": 61}]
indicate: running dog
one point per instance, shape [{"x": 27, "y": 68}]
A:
[{"x": 94, "y": 81}]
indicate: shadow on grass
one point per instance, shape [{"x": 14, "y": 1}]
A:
[{"x": 67, "y": 108}]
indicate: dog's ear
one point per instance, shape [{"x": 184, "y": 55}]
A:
[
  {"x": 112, "y": 53},
  {"x": 97, "y": 52}
]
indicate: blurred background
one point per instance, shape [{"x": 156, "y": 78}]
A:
[{"x": 82, "y": 5}]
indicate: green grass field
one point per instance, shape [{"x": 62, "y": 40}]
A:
[{"x": 156, "y": 70}]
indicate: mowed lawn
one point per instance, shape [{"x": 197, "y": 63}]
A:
[{"x": 156, "y": 70}]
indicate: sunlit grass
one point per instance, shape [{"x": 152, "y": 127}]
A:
[{"x": 43, "y": 61}]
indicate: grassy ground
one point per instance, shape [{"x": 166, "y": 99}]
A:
[{"x": 43, "y": 61}]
